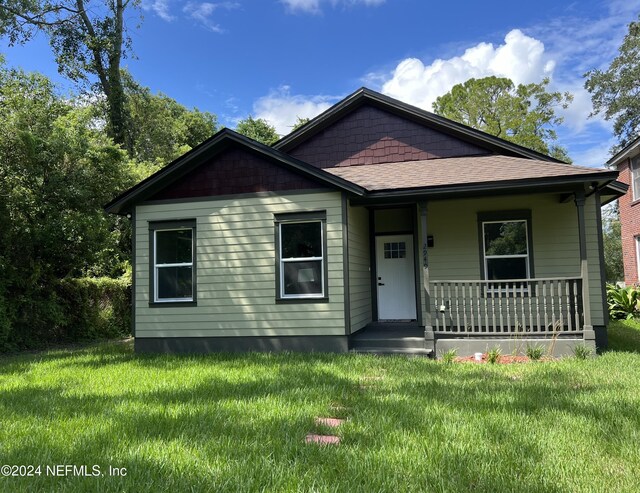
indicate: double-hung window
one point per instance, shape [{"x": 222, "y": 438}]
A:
[
  {"x": 173, "y": 273},
  {"x": 301, "y": 256},
  {"x": 635, "y": 177},
  {"x": 506, "y": 246}
]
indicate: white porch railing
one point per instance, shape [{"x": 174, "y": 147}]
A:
[{"x": 513, "y": 306}]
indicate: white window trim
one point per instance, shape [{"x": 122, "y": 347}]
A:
[
  {"x": 634, "y": 170},
  {"x": 637, "y": 240},
  {"x": 521, "y": 255},
  {"x": 302, "y": 259},
  {"x": 157, "y": 267}
]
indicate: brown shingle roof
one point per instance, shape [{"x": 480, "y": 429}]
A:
[{"x": 456, "y": 171}]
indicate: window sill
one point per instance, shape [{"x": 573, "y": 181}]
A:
[
  {"x": 634, "y": 202},
  {"x": 171, "y": 304},
  {"x": 295, "y": 301}
]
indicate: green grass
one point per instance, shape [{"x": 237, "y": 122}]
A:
[
  {"x": 237, "y": 423},
  {"x": 624, "y": 335}
]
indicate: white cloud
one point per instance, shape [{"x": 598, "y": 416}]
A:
[
  {"x": 160, "y": 8},
  {"x": 281, "y": 108},
  {"x": 594, "y": 154},
  {"x": 315, "y": 6},
  {"x": 521, "y": 58},
  {"x": 203, "y": 13}
]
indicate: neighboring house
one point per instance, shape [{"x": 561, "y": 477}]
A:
[
  {"x": 376, "y": 226},
  {"x": 627, "y": 162}
]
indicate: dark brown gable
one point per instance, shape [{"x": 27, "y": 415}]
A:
[
  {"x": 235, "y": 171},
  {"x": 370, "y": 135}
]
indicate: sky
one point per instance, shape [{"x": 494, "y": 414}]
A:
[{"x": 283, "y": 59}]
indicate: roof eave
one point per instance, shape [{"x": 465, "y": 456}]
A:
[
  {"x": 625, "y": 152},
  {"x": 506, "y": 185}
]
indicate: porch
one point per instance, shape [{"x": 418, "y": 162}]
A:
[{"x": 437, "y": 275}]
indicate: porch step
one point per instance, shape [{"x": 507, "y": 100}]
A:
[
  {"x": 409, "y": 342},
  {"x": 387, "y": 350}
]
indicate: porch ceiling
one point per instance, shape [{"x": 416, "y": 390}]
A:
[{"x": 468, "y": 170}]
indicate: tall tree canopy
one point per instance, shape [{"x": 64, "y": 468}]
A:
[
  {"x": 258, "y": 129},
  {"x": 159, "y": 129},
  {"x": 57, "y": 170},
  {"x": 523, "y": 114},
  {"x": 615, "y": 92},
  {"x": 89, "y": 39}
]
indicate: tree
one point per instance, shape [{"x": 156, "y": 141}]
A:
[
  {"x": 258, "y": 129},
  {"x": 56, "y": 172},
  {"x": 89, "y": 40},
  {"x": 523, "y": 114},
  {"x": 300, "y": 122},
  {"x": 615, "y": 92},
  {"x": 612, "y": 243},
  {"x": 160, "y": 129}
]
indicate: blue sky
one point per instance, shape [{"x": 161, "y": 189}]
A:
[{"x": 281, "y": 59}]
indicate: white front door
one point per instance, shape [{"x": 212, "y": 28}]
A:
[{"x": 396, "y": 277}]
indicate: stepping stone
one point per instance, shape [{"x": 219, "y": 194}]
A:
[
  {"x": 338, "y": 408},
  {"x": 331, "y": 422},
  {"x": 322, "y": 439}
]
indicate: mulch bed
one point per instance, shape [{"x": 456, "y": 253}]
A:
[{"x": 503, "y": 360}]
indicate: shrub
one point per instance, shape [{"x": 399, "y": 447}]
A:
[
  {"x": 494, "y": 355},
  {"x": 535, "y": 352},
  {"x": 94, "y": 308},
  {"x": 449, "y": 356},
  {"x": 623, "y": 302},
  {"x": 582, "y": 351}
]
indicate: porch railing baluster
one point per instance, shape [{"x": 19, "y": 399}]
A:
[
  {"x": 522, "y": 311},
  {"x": 575, "y": 310},
  {"x": 476, "y": 306},
  {"x": 567, "y": 288}
]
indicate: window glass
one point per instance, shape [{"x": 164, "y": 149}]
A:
[
  {"x": 174, "y": 246},
  {"x": 506, "y": 268},
  {"x": 175, "y": 282},
  {"x": 301, "y": 259},
  {"x": 301, "y": 240},
  {"x": 395, "y": 250},
  {"x": 173, "y": 265},
  {"x": 505, "y": 238},
  {"x": 303, "y": 277},
  {"x": 635, "y": 177},
  {"x": 506, "y": 252}
]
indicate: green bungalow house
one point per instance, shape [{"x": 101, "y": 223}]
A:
[{"x": 375, "y": 227}]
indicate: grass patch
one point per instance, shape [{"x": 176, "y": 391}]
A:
[
  {"x": 624, "y": 335},
  {"x": 238, "y": 423}
]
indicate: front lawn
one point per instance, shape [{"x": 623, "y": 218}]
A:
[
  {"x": 624, "y": 335},
  {"x": 238, "y": 423}
]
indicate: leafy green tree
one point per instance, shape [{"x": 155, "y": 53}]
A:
[
  {"x": 300, "y": 122},
  {"x": 258, "y": 129},
  {"x": 612, "y": 244},
  {"x": 523, "y": 114},
  {"x": 89, "y": 39},
  {"x": 159, "y": 128},
  {"x": 56, "y": 172},
  {"x": 615, "y": 92}
]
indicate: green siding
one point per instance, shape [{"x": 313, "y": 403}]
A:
[
  {"x": 359, "y": 267},
  {"x": 456, "y": 253},
  {"x": 236, "y": 270},
  {"x": 595, "y": 280}
]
